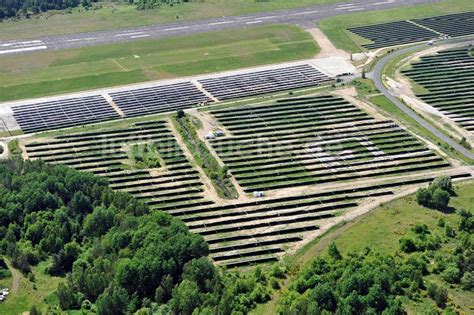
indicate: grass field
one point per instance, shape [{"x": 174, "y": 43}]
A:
[
  {"x": 29, "y": 293},
  {"x": 55, "y": 72},
  {"x": 335, "y": 28},
  {"x": 380, "y": 230},
  {"x": 118, "y": 15},
  {"x": 395, "y": 219}
]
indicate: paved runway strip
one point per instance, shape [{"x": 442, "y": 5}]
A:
[{"x": 305, "y": 17}]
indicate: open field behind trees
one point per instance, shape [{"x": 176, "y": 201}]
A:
[
  {"x": 55, "y": 72},
  {"x": 117, "y": 15},
  {"x": 39, "y": 292},
  {"x": 380, "y": 230},
  {"x": 336, "y": 28}
]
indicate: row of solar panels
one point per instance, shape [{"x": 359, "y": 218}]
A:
[
  {"x": 145, "y": 101},
  {"x": 406, "y": 32}
]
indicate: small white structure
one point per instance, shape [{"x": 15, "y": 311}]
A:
[
  {"x": 258, "y": 194},
  {"x": 430, "y": 43},
  {"x": 210, "y": 136},
  {"x": 219, "y": 133},
  {"x": 3, "y": 294}
]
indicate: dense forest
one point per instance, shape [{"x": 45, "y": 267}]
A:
[
  {"x": 115, "y": 255},
  {"x": 17, "y": 8},
  {"x": 12, "y": 8}
]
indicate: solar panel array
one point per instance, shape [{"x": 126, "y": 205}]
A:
[
  {"x": 412, "y": 31},
  {"x": 262, "y": 82},
  {"x": 158, "y": 99},
  {"x": 165, "y": 98},
  {"x": 448, "y": 78},
  {"x": 314, "y": 140},
  {"x": 247, "y": 232},
  {"x": 453, "y": 25},
  {"x": 394, "y": 33},
  {"x": 63, "y": 113}
]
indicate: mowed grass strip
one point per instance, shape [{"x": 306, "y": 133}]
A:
[
  {"x": 335, "y": 28},
  {"x": 55, "y": 72},
  {"x": 112, "y": 15}
]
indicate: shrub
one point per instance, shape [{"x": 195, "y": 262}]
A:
[
  {"x": 440, "y": 199},
  {"x": 277, "y": 272},
  {"x": 408, "y": 245},
  {"x": 451, "y": 274},
  {"x": 467, "y": 281},
  {"x": 441, "y": 222},
  {"x": 443, "y": 182},
  {"x": 448, "y": 231},
  {"x": 438, "y": 294},
  {"x": 465, "y": 143},
  {"x": 421, "y": 229},
  {"x": 274, "y": 283},
  {"x": 437, "y": 195},
  {"x": 334, "y": 252},
  {"x": 467, "y": 221},
  {"x": 423, "y": 197},
  {"x": 180, "y": 113}
]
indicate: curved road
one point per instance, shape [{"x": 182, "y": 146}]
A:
[
  {"x": 305, "y": 17},
  {"x": 376, "y": 75}
]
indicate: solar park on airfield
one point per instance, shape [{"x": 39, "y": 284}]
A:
[
  {"x": 417, "y": 30},
  {"x": 145, "y": 101},
  {"x": 340, "y": 156}
]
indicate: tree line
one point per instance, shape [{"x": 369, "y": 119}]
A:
[
  {"x": 116, "y": 256},
  {"x": 18, "y": 8},
  {"x": 13, "y": 8}
]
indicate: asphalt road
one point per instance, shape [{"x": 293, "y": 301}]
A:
[
  {"x": 305, "y": 17},
  {"x": 376, "y": 75}
]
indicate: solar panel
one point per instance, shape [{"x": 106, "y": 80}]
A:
[
  {"x": 262, "y": 82},
  {"x": 158, "y": 99},
  {"x": 393, "y": 33},
  {"x": 63, "y": 113},
  {"x": 454, "y": 25}
]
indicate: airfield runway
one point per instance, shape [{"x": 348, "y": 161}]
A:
[{"x": 305, "y": 17}]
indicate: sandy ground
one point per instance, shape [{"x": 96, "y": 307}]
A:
[
  {"x": 350, "y": 94},
  {"x": 209, "y": 125},
  {"x": 327, "y": 48},
  {"x": 209, "y": 191},
  {"x": 371, "y": 203},
  {"x": 15, "y": 278},
  {"x": 110, "y": 100},
  {"x": 199, "y": 86}
]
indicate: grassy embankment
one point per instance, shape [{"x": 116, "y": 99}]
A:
[
  {"x": 217, "y": 174},
  {"x": 112, "y": 15},
  {"x": 381, "y": 230},
  {"x": 335, "y": 28},
  {"x": 55, "y": 72}
]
